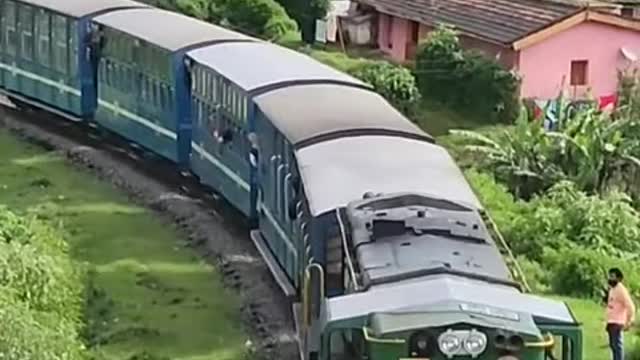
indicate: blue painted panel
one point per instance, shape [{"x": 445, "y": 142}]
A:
[
  {"x": 218, "y": 112},
  {"x": 276, "y": 169},
  {"x": 35, "y": 62},
  {"x": 137, "y": 94},
  {"x": 218, "y": 165}
]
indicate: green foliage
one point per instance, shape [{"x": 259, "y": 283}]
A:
[
  {"x": 264, "y": 18},
  {"x": 465, "y": 79},
  {"x": 26, "y": 333},
  {"x": 565, "y": 240},
  {"x": 629, "y": 92},
  {"x": 568, "y": 217},
  {"x": 592, "y": 149},
  {"x": 305, "y": 12},
  {"x": 41, "y": 291},
  {"x": 394, "y": 82}
]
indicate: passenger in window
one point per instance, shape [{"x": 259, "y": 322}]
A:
[{"x": 620, "y": 313}]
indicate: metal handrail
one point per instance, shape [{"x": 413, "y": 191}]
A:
[
  {"x": 345, "y": 246},
  {"x": 547, "y": 341},
  {"x": 369, "y": 338},
  {"x": 307, "y": 280}
]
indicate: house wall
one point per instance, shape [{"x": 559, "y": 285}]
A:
[
  {"x": 393, "y": 33},
  {"x": 398, "y": 31},
  {"x": 544, "y": 66}
]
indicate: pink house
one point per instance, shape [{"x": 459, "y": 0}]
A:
[{"x": 554, "y": 46}]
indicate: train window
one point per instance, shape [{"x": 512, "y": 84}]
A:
[
  {"x": 2, "y": 32},
  {"x": 43, "y": 32},
  {"x": 60, "y": 43},
  {"x": 10, "y": 26},
  {"x": 26, "y": 30},
  {"x": 215, "y": 90},
  {"x": 73, "y": 48}
]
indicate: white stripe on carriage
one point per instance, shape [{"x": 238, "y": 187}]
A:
[
  {"x": 13, "y": 69},
  {"x": 146, "y": 122}
]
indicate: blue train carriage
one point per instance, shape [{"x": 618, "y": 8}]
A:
[
  {"x": 291, "y": 120},
  {"x": 144, "y": 85},
  {"x": 225, "y": 80},
  {"x": 410, "y": 274},
  {"x": 43, "y": 51}
]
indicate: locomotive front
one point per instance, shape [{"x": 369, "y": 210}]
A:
[{"x": 426, "y": 281}]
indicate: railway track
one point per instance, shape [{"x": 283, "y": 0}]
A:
[{"x": 213, "y": 228}]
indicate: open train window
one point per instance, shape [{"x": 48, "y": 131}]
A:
[
  {"x": 59, "y": 30},
  {"x": 43, "y": 33},
  {"x": 73, "y": 48},
  {"x": 26, "y": 30},
  {"x": 10, "y": 26}
]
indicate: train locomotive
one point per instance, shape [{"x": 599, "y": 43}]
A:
[{"x": 365, "y": 222}]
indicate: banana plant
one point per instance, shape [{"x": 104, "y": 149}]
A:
[{"x": 590, "y": 148}]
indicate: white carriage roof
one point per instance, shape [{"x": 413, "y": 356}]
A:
[
  {"x": 81, "y": 8},
  {"x": 176, "y": 31},
  {"x": 426, "y": 292},
  {"x": 339, "y": 171},
  {"x": 304, "y": 112},
  {"x": 259, "y": 64}
]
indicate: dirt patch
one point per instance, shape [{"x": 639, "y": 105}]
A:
[{"x": 217, "y": 237}]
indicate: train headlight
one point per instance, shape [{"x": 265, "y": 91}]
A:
[
  {"x": 449, "y": 343},
  {"x": 475, "y": 343}
]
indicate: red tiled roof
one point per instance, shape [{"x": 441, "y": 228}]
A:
[{"x": 497, "y": 21}]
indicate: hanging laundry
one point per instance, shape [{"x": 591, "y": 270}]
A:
[{"x": 607, "y": 102}]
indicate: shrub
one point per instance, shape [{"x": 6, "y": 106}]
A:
[
  {"x": 465, "y": 79},
  {"x": 29, "y": 334},
  {"x": 567, "y": 217},
  {"x": 264, "y": 18},
  {"x": 579, "y": 271},
  {"x": 305, "y": 12},
  {"x": 565, "y": 240},
  {"x": 538, "y": 277},
  {"x": 41, "y": 292},
  {"x": 394, "y": 82}
]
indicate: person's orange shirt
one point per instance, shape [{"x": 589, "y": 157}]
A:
[{"x": 620, "y": 307}]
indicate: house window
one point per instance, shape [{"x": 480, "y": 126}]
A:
[
  {"x": 415, "y": 31},
  {"x": 390, "y": 32},
  {"x": 579, "y": 70},
  {"x": 627, "y": 12}
]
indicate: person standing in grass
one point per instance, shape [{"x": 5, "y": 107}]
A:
[{"x": 620, "y": 312}]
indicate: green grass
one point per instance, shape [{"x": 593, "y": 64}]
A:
[
  {"x": 591, "y": 315},
  {"x": 159, "y": 297}
]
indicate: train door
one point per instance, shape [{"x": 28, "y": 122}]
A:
[
  {"x": 278, "y": 180},
  {"x": 565, "y": 342}
]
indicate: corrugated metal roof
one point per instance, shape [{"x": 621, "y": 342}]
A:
[
  {"x": 166, "y": 29},
  {"x": 497, "y": 21},
  {"x": 80, "y": 8},
  {"x": 307, "y": 111},
  {"x": 256, "y": 65},
  {"x": 340, "y": 171}
]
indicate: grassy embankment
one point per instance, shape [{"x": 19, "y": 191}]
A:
[{"x": 157, "y": 296}]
